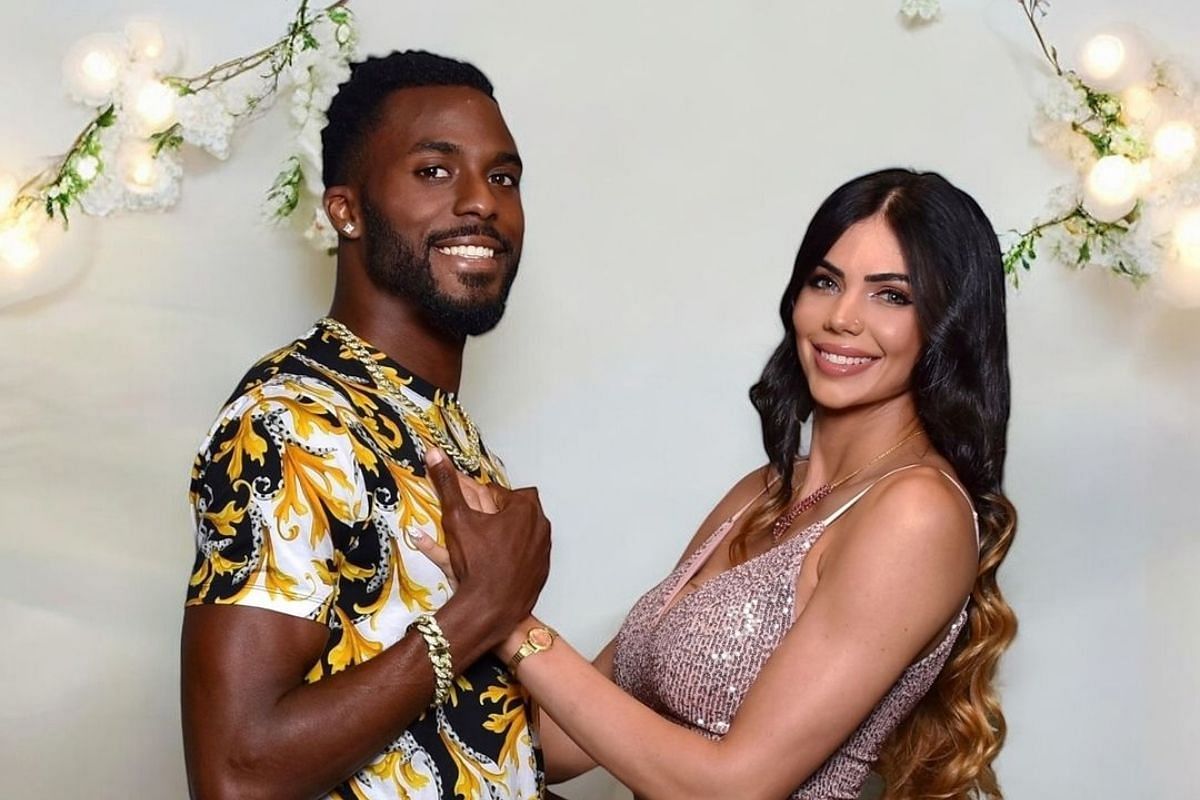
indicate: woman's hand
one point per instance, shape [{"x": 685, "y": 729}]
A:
[{"x": 481, "y": 498}]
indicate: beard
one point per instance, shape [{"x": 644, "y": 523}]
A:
[{"x": 395, "y": 265}]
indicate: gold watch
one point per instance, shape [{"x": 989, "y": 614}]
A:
[{"x": 537, "y": 639}]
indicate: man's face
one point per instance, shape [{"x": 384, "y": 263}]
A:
[{"x": 442, "y": 206}]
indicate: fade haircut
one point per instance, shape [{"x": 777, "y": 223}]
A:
[{"x": 358, "y": 105}]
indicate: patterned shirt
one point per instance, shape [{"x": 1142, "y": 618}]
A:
[{"x": 303, "y": 495}]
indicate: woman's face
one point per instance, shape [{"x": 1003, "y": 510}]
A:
[{"x": 856, "y": 325}]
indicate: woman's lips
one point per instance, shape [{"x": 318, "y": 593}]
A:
[{"x": 841, "y": 362}]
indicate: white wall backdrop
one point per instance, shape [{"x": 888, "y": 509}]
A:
[{"x": 675, "y": 152}]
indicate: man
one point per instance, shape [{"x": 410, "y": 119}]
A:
[{"x": 323, "y": 653}]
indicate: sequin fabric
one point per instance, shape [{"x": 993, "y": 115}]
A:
[{"x": 694, "y": 661}]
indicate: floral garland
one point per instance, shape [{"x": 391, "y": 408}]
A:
[
  {"x": 1128, "y": 126},
  {"x": 1118, "y": 215},
  {"x": 127, "y": 156}
]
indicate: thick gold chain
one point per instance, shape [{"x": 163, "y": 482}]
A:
[{"x": 467, "y": 454}]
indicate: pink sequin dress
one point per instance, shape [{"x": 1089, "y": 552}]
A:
[{"x": 693, "y": 661}]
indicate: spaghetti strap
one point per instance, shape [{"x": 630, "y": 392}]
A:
[
  {"x": 688, "y": 568},
  {"x": 751, "y": 501},
  {"x": 971, "y": 503},
  {"x": 825, "y": 523}
]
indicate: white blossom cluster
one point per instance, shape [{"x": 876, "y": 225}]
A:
[
  {"x": 133, "y": 162},
  {"x": 120, "y": 187},
  {"x": 920, "y": 10},
  {"x": 1135, "y": 245},
  {"x": 316, "y": 73}
]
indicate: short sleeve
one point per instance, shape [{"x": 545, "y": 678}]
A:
[{"x": 275, "y": 489}]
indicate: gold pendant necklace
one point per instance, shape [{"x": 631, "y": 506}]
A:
[
  {"x": 444, "y": 424},
  {"x": 807, "y": 502}
]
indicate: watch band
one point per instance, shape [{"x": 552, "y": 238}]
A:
[{"x": 538, "y": 639}]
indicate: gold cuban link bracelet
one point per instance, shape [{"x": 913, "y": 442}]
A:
[{"x": 439, "y": 656}]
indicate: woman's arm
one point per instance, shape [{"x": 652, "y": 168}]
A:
[
  {"x": 881, "y": 600},
  {"x": 565, "y": 759}
]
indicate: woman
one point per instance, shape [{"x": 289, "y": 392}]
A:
[{"x": 841, "y": 609}]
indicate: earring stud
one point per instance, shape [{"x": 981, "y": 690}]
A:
[{"x": 348, "y": 228}]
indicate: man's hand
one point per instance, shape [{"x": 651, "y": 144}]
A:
[
  {"x": 497, "y": 543},
  {"x": 484, "y": 499}
]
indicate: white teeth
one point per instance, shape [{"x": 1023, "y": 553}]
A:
[
  {"x": 468, "y": 251},
  {"x": 844, "y": 361}
]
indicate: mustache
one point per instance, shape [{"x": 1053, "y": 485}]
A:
[{"x": 432, "y": 240}]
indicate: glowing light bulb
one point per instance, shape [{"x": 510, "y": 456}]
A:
[
  {"x": 1174, "y": 145},
  {"x": 146, "y": 39},
  {"x": 143, "y": 172},
  {"x": 92, "y": 69},
  {"x": 100, "y": 67},
  {"x": 1103, "y": 56},
  {"x": 1187, "y": 238},
  {"x": 1111, "y": 188},
  {"x": 17, "y": 248},
  {"x": 137, "y": 167},
  {"x": 154, "y": 103},
  {"x": 8, "y": 191},
  {"x": 87, "y": 167},
  {"x": 1137, "y": 104}
]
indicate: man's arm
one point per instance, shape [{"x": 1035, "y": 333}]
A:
[{"x": 254, "y": 729}]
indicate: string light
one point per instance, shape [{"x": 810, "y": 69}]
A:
[
  {"x": 17, "y": 248},
  {"x": 1110, "y": 191},
  {"x": 1103, "y": 56},
  {"x": 146, "y": 39},
  {"x": 1174, "y": 145},
  {"x": 154, "y": 103},
  {"x": 139, "y": 170},
  {"x": 1137, "y": 104},
  {"x": 92, "y": 68}
]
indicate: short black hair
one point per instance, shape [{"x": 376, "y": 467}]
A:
[{"x": 356, "y": 107}]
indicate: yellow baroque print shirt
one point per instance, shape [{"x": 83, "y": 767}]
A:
[{"x": 302, "y": 495}]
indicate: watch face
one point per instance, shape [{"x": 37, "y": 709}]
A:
[{"x": 541, "y": 638}]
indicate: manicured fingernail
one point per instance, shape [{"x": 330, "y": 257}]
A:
[
  {"x": 434, "y": 456},
  {"x": 418, "y": 536}
]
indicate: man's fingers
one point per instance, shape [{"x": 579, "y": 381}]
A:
[{"x": 444, "y": 477}]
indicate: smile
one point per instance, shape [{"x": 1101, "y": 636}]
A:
[
  {"x": 844, "y": 361},
  {"x": 467, "y": 251},
  {"x": 839, "y": 361}
]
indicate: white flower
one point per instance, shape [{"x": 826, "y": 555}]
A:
[
  {"x": 1063, "y": 200},
  {"x": 1058, "y": 137},
  {"x": 1062, "y": 100},
  {"x": 105, "y": 194},
  {"x": 922, "y": 10},
  {"x": 1127, "y": 141},
  {"x": 1060, "y": 244},
  {"x": 1127, "y": 252},
  {"x": 205, "y": 121},
  {"x": 308, "y": 145}
]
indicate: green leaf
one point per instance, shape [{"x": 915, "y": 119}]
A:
[{"x": 107, "y": 117}]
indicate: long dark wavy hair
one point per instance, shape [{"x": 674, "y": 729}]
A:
[{"x": 961, "y": 390}]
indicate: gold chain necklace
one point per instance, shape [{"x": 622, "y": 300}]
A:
[
  {"x": 825, "y": 489},
  {"x": 448, "y": 428}
]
